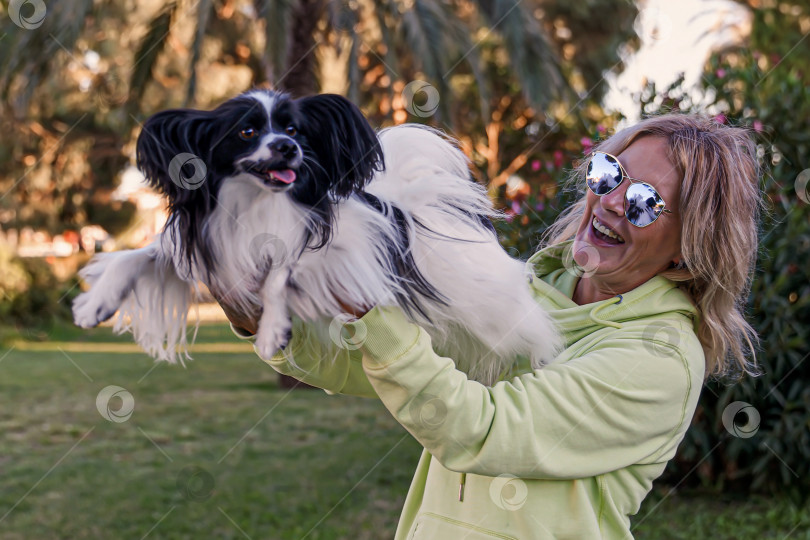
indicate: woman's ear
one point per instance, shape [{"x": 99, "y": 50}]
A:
[
  {"x": 172, "y": 150},
  {"x": 346, "y": 146}
]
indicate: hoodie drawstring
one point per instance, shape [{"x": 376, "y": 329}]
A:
[{"x": 604, "y": 322}]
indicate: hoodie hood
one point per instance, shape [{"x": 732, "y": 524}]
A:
[{"x": 553, "y": 284}]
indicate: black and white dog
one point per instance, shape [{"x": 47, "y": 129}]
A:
[{"x": 291, "y": 206}]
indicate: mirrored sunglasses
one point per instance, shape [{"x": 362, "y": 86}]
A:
[{"x": 642, "y": 204}]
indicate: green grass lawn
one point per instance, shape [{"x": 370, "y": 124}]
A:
[{"x": 218, "y": 450}]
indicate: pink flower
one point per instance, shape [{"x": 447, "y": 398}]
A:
[
  {"x": 720, "y": 73},
  {"x": 536, "y": 165},
  {"x": 558, "y": 158},
  {"x": 757, "y": 126},
  {"x": 516, "y": 207},
  {"x": 720, "y": 118},
  {"x": 586, "y": 143},
  {"x": 600, "y": 129},
  {"x": 539, "y": 207}
]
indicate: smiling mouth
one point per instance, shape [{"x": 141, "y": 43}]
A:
[
  {"x": 274, "y": 177},
  {"x": 604, "y": 233}
]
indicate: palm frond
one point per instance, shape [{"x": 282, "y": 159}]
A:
[
  {"x": 464, "y": 50},
  {"x": 384, "y": 11},
  {"x": 148, "y": 51},
  {"x": 597, "y": 42},
  {"x": 425, "y": 30},
  {"x": 531, "y": 54},
  {"x": 441, "y": 41},
  {"x": 32, "y": 53}
]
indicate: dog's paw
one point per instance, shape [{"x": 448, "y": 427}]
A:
[
  {"x": 90, "y": 309},
  {"x": 93, "y": 270},
  {"x": 271, "y": 340}
]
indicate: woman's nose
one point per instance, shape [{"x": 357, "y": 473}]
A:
[{"x": 614, "y": 201}]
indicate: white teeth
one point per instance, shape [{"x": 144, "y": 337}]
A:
[{"x": 607, "y": 232}]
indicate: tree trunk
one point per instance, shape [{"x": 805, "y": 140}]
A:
[{"x": 299, "y": 77}]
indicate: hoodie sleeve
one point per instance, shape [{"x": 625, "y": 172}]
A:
[
  {"x": 311, "y": 357},
  {"x": 620, "y": 403}
]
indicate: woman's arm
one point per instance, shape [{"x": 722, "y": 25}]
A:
[
  {"x": 312, "y": 357},
  {"x": 619, "y": 404}
]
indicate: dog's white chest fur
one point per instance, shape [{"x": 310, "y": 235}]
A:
[{"x": 258, "y": 233}]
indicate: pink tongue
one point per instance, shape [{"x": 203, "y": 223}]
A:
[{"x": 287, "y": 176}]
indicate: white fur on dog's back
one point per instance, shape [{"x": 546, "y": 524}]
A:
[
  {"x": 424, "y": 169},
  {"x": 489, "y": 298}
]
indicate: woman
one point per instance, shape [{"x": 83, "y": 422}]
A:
[{"x": 645, "y": 276}]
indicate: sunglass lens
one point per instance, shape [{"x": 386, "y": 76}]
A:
[
  {"x": 603, "y": 174},
  {"x": 644, "y": 204}
]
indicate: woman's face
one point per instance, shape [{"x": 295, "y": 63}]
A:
[{"x": 618, "y": 266}]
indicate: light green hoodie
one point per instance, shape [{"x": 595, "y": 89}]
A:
[{"x": 567, "y": 451}]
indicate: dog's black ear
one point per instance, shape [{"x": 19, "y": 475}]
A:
[
  {"x": 172, "y": 151},
  {"x": 344, "y": 142}
]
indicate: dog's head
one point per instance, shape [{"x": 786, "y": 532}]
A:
[{"x": 313, "y": 149}]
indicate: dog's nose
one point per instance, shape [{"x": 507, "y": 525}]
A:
[{"x": 285, "y": 147}]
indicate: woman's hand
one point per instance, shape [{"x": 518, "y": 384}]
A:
[
  {"x": 249, "y": 323},
  {"x": 356, "y": 311}
]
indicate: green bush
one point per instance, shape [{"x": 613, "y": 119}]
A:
[
  {"x": 32, "y": 310},
  {"x": 14, "y": 281},
  {"x": 762, "y": 87}
]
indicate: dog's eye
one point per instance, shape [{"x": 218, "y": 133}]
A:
[
  {"x": 248, "y": 133},
  {"x": 291, "y": 131}
]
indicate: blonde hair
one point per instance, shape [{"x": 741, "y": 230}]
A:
[{"x": 720, "y": 202}]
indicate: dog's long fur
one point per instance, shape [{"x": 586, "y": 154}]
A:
[{"x": 394, "y": 220}]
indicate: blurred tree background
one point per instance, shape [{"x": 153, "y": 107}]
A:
[
  {"x": 514, "y": 80},
  {"x": 519, "y": 84}
]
